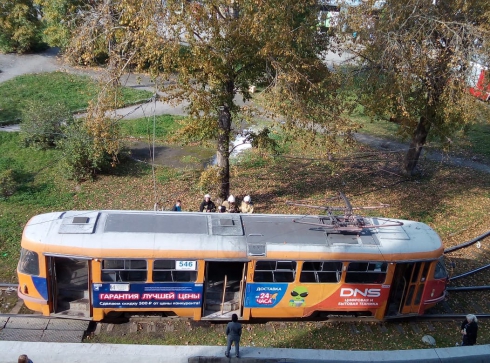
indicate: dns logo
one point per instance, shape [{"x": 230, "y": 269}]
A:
[{"x": 348, "y": 292}]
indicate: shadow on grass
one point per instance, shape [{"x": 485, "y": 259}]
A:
[
  {"x": 128, "y": 167},
  {"x": 423, "y": 198}
]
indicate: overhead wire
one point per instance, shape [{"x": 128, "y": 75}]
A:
[{"x": 153, "y": 149}]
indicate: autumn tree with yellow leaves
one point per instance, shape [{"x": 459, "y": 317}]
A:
[
  {"x": 209, "y": 53},
  {"x": 415, "y": 63}
]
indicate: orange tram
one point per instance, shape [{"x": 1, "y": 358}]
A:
[{"x": 206, "y": 266}]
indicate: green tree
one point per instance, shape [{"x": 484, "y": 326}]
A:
[
  {"x": 415, "y": 62},
  {"x": 20, "y": 28},
  {"x": 209, "y": 54},
  {"x": 60, "y": 19}
]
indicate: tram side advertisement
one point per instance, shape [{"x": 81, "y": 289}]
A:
[
  {"x": 156, "y": 295},
  {"x": 347, "y": 296}
]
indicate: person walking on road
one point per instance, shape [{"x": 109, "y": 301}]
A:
[
  {"x": 469, "y": 329},
  {"x": 233, "y": 334}
]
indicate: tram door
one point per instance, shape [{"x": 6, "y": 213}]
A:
[
  {"x": 224, "y": 289},
  {"x": 69, "y": 286},
  {"x": 415, "y": 278}
]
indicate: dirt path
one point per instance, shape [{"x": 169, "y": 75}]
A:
[
  {"x": 12, "y": 65},
  {"x": 434, "y": 155}
]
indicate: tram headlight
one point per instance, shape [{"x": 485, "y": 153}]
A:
[{"x": 25, "y": 289}]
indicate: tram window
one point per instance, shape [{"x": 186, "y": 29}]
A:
[
  {"x": 113, "y": 264},
  {"x": 418, "y": 297},
  {"x": 136, "y": 276},
  {"x": 29, "y": 262},
  {"x": 440, "y": 271},
  {"x": 415, "y": 274},
  {"x": 329, "y": 272},
  {"x": 408, "y": 299},
  {"x": 184, "y": 276},
  {"x": 274, "y": 271},
  {"x": 329, "y": 277},
  {"x": 162, "y": 276},
  {"x": 265, "y": 265},
  {"x": 165, "y": 271},
  {"x": 283, "y": 276},
  {"x": 137, "y": 264},
  {"x": 124, "y": 270},
  {"x": 286, "y": 265},
  {"x": 164, "y": 265},
  {"x": 312, "y": 266},
  {"x": 366, "y": 272},
  {"x": 307, "y": 276},
  {"x": 263, "y": 276},
  {"x": 425, "y": 272}
]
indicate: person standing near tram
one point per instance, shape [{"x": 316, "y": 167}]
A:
[
  {"x": 233, "y": 335},
  {"x": 469, "y": 329}
]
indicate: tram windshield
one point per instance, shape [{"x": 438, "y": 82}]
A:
[
  {"x": 440, "y": 272},
  {"x": 29, "y": 262}
]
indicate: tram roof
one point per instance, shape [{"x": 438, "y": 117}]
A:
[{"x": 148, "y": 234}]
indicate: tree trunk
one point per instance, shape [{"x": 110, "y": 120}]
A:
[
  {"x": 418, "y": 141},
  {"x": 223, "y": 153}
]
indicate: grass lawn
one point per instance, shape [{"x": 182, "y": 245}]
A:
[
  {"x": 143, "y": 128},
  {"x": 53, "y": 88}
]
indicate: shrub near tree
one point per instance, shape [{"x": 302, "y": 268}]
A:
[
  {"x": 42, "y": 123},
  {"x": 7, "y": 183},
  {"x": 81, "y": 159}
]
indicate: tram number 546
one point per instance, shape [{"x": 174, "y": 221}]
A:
[{"x": 186, "y": 265}]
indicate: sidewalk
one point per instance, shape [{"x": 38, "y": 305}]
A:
[{"x": 120, "y": 353}]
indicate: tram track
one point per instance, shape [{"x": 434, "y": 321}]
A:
[{"x": 5, "y": 286}]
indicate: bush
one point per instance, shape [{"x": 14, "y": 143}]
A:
[
  {"x": 41, "y": 124},
  {"x": 80, "y": 159},
  {"x": 7, "y": 183}
]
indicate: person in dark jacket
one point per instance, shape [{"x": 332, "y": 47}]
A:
[
  {"x": 177, "y": 206},
  {"x": 233, "y": 334},
  {"x": 207, "y": 205},
  {"x": 469, "y": 329},
  {"x": 23, "y": 358}
]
